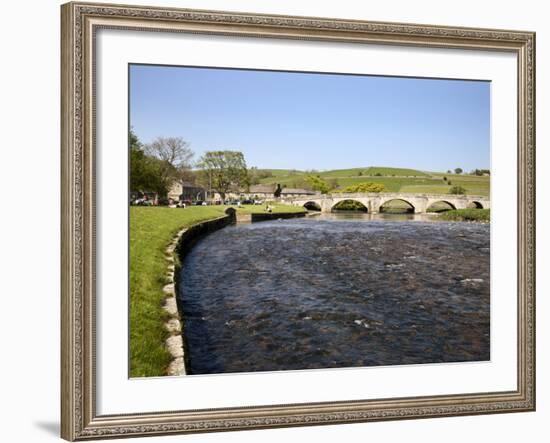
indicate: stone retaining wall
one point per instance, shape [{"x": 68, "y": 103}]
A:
[
  {"x": 176, "y": 251},
  {"x": 175, "y": 254},
  {"x": 275, "y": 216}
]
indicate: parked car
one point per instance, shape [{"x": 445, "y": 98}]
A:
[
  {"x": 143, "y": 202},
  {"x": 247, "y": 202}
]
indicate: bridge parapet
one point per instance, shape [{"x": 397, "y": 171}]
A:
[{"x": 374, "y": 201}]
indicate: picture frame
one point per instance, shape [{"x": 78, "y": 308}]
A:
[{"x": 80, "y": 242}]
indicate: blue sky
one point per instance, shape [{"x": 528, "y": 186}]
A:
[{"x": 315, "y": 121}]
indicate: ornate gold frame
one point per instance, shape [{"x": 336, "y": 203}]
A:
[{"x": 79, "y": 420}]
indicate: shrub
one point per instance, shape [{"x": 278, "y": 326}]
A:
[
  {"x": 479, "y": 215},
  {"x": 364, "y": 187},
  {"x": 458, "y": 190},
  {"x": 318, "y": 184},
  {"x": 350, "y": 205}
]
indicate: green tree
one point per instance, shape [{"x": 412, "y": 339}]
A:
[
  {"x": 223, "y": 170},
  {"x": 458, "y": 171},
  {"x": 364, "y": 187},
  {"x": 256, "y": 175},
  {"x": 318, "y": 184},
  {"x": 458, "y": 190},
  {"x": 145, "y": 172}
]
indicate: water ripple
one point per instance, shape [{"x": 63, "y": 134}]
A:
[{"x": 303, "y": 294}]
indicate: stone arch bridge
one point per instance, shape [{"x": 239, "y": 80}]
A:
[{"x": 374, "y": 201}]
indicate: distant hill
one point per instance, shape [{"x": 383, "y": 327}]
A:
[
  {"x": 394, "y": 179},
  {"x": 375, "y": 171}
]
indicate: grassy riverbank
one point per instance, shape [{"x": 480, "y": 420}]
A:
[
  {"x": 151, "y": 230},
  {"x": 259, "y": 209},
  {"x": 479, "y": 215}
]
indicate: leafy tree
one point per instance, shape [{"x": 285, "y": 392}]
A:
[
  {"x": 458, "y": 171},
  {"x": 145, "y": 172},
  {"x": 256, "y": 175},
  {"x": 480, "y": 172},
  {"x": 364, "y": 187},
  {"x": 318, "y": 184},
  {"x": 223, "y": 170},
  {"x": 332, "y": 182},
  {"x": 175, "y": 158},
  {"x": 134, "y": 140},
  {"x": 300, "y": 183},
  {"x": 458, "y": 190}
]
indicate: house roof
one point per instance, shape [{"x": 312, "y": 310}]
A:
[
  {"x": 262, "y": 189},
  {"x": 296, "y": 191}
]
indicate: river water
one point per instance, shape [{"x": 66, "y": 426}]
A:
[{"x": 337, "y": 291}]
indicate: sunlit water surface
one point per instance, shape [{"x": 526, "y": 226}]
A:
[{"x": 337, "y": 290}]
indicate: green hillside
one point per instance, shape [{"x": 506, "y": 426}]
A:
[{"x": 394, "y": 179}]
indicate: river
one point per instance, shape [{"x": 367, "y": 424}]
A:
[{"x": 337, "y": 290}]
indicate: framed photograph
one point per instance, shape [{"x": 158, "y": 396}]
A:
[{"x": 277, "y": 221}]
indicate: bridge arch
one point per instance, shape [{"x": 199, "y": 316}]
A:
[
  {"x": 349, "y": 204},
  {"x": 475, "y": 204},
  {"x": 312, "y": 206},
  {"x": 396, "y": 205},
  {"x": 440, "y": 206}
]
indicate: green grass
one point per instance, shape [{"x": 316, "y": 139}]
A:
[
  {"x": 394, "y": 179},
  {"x": 392, "y": 184},
  {"x": 467, "y": 215},
  {"x": 398, "y": 172},
  {"x": 276, "y": 207},
  {"x": 283, "y": 172},
  {"x": 151, "y": 230}
]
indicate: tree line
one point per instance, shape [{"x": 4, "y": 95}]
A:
[
  {"x": 478, "y": 172},
  {"x": 156, "y": 166}
]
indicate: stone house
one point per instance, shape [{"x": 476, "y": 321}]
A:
[
  {"x": 270, "y": 191},
  {"x": 296, "y": 192},
  {"x": 186, "y": 191}
]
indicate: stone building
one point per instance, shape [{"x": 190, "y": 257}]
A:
[
  {"x": 186, "y": 191},
  {"x": 275, "y": 190},
  {"x": 261, "y": 191},
  {"x": 296, "y": 192}
]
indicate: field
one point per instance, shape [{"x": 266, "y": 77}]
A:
[
  {"x": 394, "y": 179},
  {"x": 151, "y": 230},
  {"x": 478, "y": 215}
]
